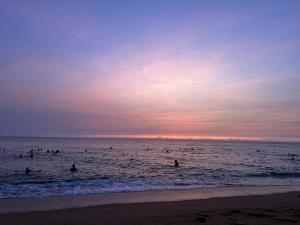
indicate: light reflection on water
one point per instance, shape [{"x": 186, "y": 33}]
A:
[{"x": 141, "y": 164}]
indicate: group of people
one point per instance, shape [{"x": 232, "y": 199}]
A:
[
  {"x": 73, "y": 167},
  {"x": 28, "y": 170}
]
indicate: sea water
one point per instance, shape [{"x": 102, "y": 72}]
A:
[{"x": 108, "y": 165}]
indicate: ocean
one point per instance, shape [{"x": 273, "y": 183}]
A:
[{"x": 109, "y": 165}]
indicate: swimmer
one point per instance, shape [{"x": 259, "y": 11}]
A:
[
  {"x": 73, "y": 168},
  {"x": 27, "y": 171}
]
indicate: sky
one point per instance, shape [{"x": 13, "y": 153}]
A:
[{"x": 167, "y": 68}]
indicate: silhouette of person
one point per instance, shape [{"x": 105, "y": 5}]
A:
[
  {"x": 73, "y": 168},
  {"x": 20, "y": 155},
  {"x": 31, "y": 155},
  {"x": 176, "y": 164},
  {"x": 27, "y": 171}
]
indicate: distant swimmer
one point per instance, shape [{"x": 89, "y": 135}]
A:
[
  {"x": 111, "y": 148},
  {"x": 57, "y": 151},
  {"x": 20, "y": 156},
  {"x": 27, "y": 171},
  {"x": 73, "y": 168},
  {"x": 31, "y": 155},
  {"x": 176, "y": 163},
  {"x": 293, "y": 158},
  {"x": 48, "y": 151},
  {"x": 167, "y": 151}
]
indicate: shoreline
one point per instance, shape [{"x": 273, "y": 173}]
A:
[
  {"x": 279, "y": 209},
  {"x": 175, "y": 195}
]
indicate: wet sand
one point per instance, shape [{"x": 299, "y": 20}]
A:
[
  {"x": 80, "y": 201},
  {"x": 282, "y": 208}
]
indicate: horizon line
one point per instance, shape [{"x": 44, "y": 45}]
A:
[{"x": 163, "y": 137}]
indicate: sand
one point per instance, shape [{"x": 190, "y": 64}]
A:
[{"x": 282, "y": 208}]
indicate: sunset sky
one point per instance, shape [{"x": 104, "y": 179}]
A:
[{"x": 150, "y": 68}]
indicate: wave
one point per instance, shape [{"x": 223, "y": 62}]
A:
[
  {"x": 99, "y": 186},
  {"x": 276, "y": 174}
]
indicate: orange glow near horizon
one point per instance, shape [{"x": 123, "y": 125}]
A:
[
  {"x": 188, "y": 71},
  {"x": 189, "y": 137}
]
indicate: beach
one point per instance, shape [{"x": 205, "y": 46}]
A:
[
  {"x": 279, "y": 208},
  {"x": 145, "y": 112},
  {"x": 135, "y": 181}
]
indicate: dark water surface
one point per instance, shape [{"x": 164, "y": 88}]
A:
[{"x": 124, "y": 165}]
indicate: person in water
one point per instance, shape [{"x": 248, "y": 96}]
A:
[
  {"x": 73, "y": 168},
  {"x": 176, "y": 164},
  {"x": 27, "y": 171}
]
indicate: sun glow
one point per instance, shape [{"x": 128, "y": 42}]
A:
[{"x": 199, "y": 74}]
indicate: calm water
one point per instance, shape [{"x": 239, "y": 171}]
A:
[{"x": 121, "y": 165}]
